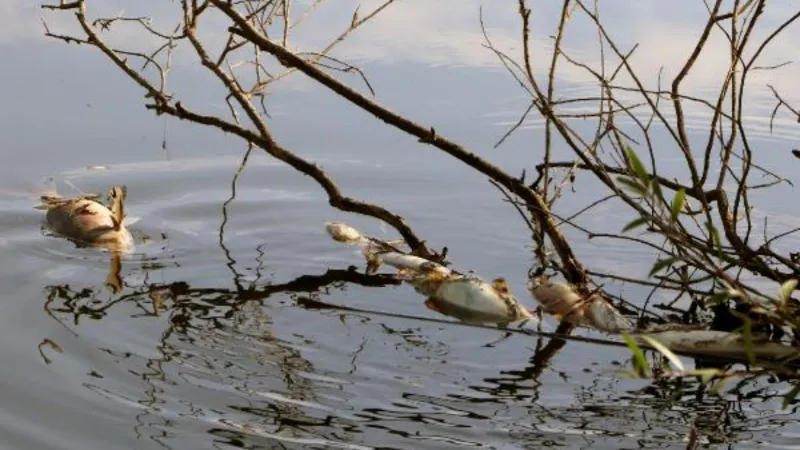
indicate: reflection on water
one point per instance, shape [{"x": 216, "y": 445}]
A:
[{"x": 231, "y": 341}]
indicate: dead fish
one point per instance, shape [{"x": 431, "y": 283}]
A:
[
  {"x": 564, "y": 302},
  {"x": 466, "y": 297},
  {"x": 89, "y": 222},
  {"x": 470, "y": 298},
  {"x": 719, "y": 343}
]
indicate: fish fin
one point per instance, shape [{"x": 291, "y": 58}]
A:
[{"x": 430, "y": 303}]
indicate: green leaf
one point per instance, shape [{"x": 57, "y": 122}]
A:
[
  {"x": 677, "y": 204},
  {"x": 747, "y": 334},
  {"x": 712, "y": 230},
  {"x": 635, "y": 224},
  {"x": 655, "y": 187},
  {"x": 717, "y": 298},
  {"x": 706, "y": 375},
  {"x": 789, "y": 397},
  {"x": 717, "y": 387},
  {"x": 672, "y": 357},
  {"x": 786, "y": 291},
  {"x": 633, "y": 185},
  {"x": 660, "y": 265},
  {"x": 717, "y": 240},
  {"x": 636, "y": 166},
  {"x": 640, "y": 364}
]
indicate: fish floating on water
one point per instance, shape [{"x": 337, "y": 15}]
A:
[
  {"x": 564, "y": 302},
  {"x": 88, "y": 222},
  {"x": 464, "y": 296},
  {"x": 472, "y": 299}
]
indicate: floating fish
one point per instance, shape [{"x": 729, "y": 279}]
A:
[
  {"x": 564, "y": 302},
  {"x": 464, "y": 296},
  {"x": 89, "y": 222},
  {"x": 721, "y": 344}
]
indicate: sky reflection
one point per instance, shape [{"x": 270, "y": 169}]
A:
[
  {"x": 444, "y": 33},
  {"x": 83, "y": 102}
]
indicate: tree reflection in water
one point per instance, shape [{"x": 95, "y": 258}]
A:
[
  {"x": 259, "y": 390},
  {"x": 264, "y": 390}
]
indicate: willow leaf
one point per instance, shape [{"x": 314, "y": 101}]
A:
[
  {"x": 636, "y": 166},
  {"x": 677, "y": 204},
  {"x": 661, "y": 264},
  {"x": 636, "y": 223},
  {"x": 639, "y": 361}
]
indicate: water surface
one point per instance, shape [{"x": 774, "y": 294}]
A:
[{"x": 215, "y": 340}]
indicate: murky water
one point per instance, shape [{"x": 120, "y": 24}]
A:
[{"x": 218, "y": 338}]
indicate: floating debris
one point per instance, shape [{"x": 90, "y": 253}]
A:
[{"x": 53, "y": 345}]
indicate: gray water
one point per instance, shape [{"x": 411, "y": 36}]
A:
[{"x": 215, "y": 340}]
